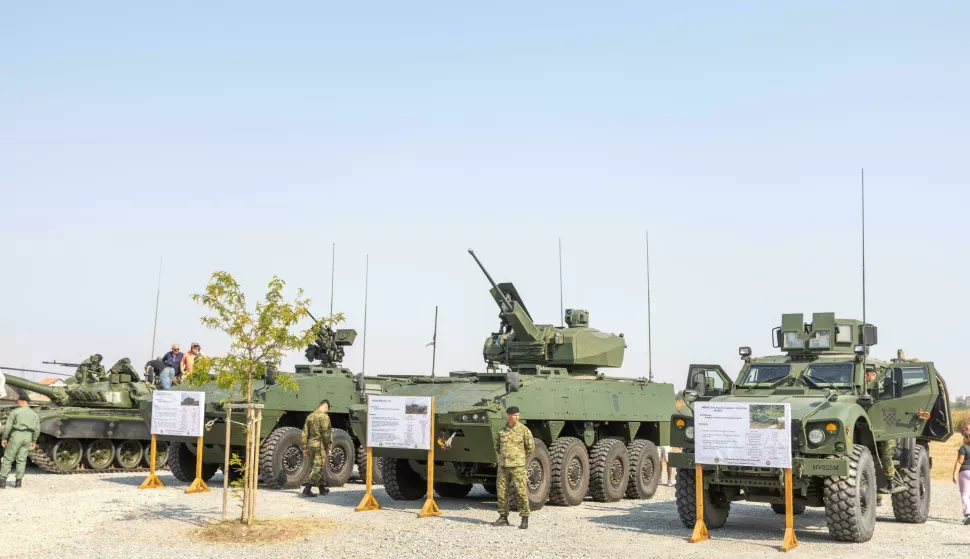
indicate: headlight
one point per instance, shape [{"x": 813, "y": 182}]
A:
[
  {"x": 475, "y": 417},
  {"x": 689, "y": 432},
  {"x": 816, "y": 436}
]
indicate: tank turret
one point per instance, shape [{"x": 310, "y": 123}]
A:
[
  {"x": 520, "y": 343},
  {"x": 120, "y": 391}
]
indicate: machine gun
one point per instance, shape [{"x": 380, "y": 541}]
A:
[
  {"x": 61, "y": 363},
  {"x": 329, "y": 346}
]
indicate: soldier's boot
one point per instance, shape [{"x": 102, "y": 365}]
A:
[
  {"x": 525, "y": 523},
  {"x": 308, "y": 491},
  {"x": 503, "y": 520},
  {"x": 18, "y": 484},
  {"x": 324, "y": 489},
  {"x": 3, "y": 483}
]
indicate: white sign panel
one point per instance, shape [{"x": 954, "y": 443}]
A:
[
  {"x": 178, "y": 413},
  {"x": 742, "y": 434},
  {"x": 399, "y": 422},
  {"x": 3, "y": 385}
]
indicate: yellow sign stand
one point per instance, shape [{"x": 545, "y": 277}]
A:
[
  {"x": 790, "y": 542},
  {"x": 198, "y": 486},
  {"x": 700, "y": 529},
  {"x": 152, "y": 481},
  {"x": 369, "y": 502},
  {"x": 430, "y": 508}
]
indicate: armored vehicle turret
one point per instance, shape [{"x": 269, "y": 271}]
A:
[
  {"x": 93, "y": 426},
  {"x": 594, "y": 434},
  {"x": 860, "y": 428},
  {"x": 282, "y": 463}
]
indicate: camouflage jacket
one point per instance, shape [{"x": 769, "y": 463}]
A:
[
  {"x": 22, "y": 419},
  {"x": 90, "y": 370},
  {"x": 513, "y": 444},
  {"x": 317, "y": 431}
]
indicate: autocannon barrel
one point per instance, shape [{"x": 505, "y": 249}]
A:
[{"x": 506, "y": 306}]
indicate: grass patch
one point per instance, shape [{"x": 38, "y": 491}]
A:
[{"x": 274, "y": 531}]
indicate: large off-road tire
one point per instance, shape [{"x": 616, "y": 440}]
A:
[
  {"x": 913, "y": 505},
  {"x": 341, "y": 459},
  {"x": 282, "y": 463},
  {"x": 570, "y": 472},
  {"x": 850, "y": 501},
  {"x": 609, "y": 471},
  {"x": 377, "y": 476},
  {"x": 796, "y": 509},
  {"x": 181, "y": 462},
  {"x": 452, "y": 490},
  {"x": 401, "y": 482},
  {"x": 717, "y": 506},
  {"x": 538, "y": 478},
  {"x": 644, "y": 469}
]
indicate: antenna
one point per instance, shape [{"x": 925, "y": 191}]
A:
[
  {"x": 649, "y": 322},
  {"x": 333, "y": 268},
  {"x": 863, "y": 177},
  {"x": 561, "y": 308},
  {"x": 363, "y": 362},
  {"x": 434, "y": 341},
  {"x": 158, "y": 293}
]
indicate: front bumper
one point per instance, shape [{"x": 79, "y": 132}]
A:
[{"x": 801, "y": 467}]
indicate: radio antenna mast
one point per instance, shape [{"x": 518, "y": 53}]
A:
[
  {"x": 158, "y": 294},
  {"x": 333, "y": 268},
  {"x": 561, "y": 307},
  {"x": 363, "y": 362},
  {"x": 864, "y": 323},
  {"x": 649, "y": 322}
]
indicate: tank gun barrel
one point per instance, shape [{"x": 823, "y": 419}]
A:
[
  {"x": 506, "y": 306},
  {"x": 42, "y": 389}
]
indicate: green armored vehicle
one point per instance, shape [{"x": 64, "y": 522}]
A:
[
  {"x": 595, "y": 435},
  {"x": 93, "y": 426},
  {"x": 282, "y": 464},
  {"x": 860, "y": 428}
]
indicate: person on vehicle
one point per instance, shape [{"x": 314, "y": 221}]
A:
[
  {"x": 173, "y": 361},
  {"x": 188, "y": 362},
  {"x": 513, "y": 444},
  {"x": 154, "y": 370},
  {"x": 961, "y": 470},
  {"x": 886, "y": 449}
]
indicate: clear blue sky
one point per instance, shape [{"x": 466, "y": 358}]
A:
[{"x": 250, "y": 136}]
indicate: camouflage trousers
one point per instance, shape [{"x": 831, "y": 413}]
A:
[
  {"x": 16, "y": 453},
  {"x": 510, "y": 479},
  {"x": 886, "y": 451},
  {"x": 318, "y": 465}
]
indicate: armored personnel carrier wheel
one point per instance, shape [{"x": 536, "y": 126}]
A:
[
  {"x": 181, "y": 462},
  {"x": 913, "y": 505},
  {"x": 569, "y": 469},
  {"x": 609, "y": 471},
  {"x": 795, "y": 508},
  {"x": 717, "y": 506},
  {"x": 537, "y": 478},
  {"x": 128, "y": 454},
  {"x": 161, "y": 455},
  {"x": 452, "y": 490},
  {"x": 850, "y": 501},
  {"x": 377, "y": 477},
  {"x": 99, "y": 453},
  {"x": 281, "y": 460},
  {"x": 401, "y": 482},
  {"x": 490, "y": 488},
  {"x": 644, "y": 469},
  {"x": 341, "y": 460}
]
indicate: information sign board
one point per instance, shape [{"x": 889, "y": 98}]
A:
[
  {"x": 743, "y": 434},
  {"x": 399, "y": 422},
  {"x": 178, "y": 413}
]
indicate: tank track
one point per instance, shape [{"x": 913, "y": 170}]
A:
[{"x": 42, "y": 460}]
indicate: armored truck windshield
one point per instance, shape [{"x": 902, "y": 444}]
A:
[
  {"x": 764, "y": 374},
  {"x": 835, "y": 374}
]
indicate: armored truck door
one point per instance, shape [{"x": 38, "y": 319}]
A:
[
  {"x": 939, "y": 427},
  {"x": 708, "y": 380},
  {"x": 904, "y": 393}
]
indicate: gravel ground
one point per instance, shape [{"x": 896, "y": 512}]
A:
[{"x": 107, "y": 516}]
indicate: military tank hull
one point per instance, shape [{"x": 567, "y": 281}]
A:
[{"x": 92, "y": 428}]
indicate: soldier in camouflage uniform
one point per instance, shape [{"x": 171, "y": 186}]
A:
[
  {"x": 886, "y": 449},
  {"x": 20, "y": 434},
  {"x": 90, "y": 370},
  {"x": 317, "y": 442},
  {"x": 124, "y": 367},
  {"x": 513, "y": 444}
]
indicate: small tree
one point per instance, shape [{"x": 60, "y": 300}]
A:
[{"x": 259, "y": 337}]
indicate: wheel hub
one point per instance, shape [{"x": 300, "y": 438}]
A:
[
  {"x": 292, "y": 459},
  {"x": 129, "y": 454},
  {"x": 646, "y": 472},
  {"x": 67, "y": 454},
  {"x": 574, "y": 473},
  {"x": 338, "y": 459},
  {"x": 535, "y": 476},
  {"x": 617, "y": 472},
  {"x": 864, "y": 493},
  {"x": 100, "y": 453}
]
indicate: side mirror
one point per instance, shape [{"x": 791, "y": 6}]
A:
[
  {"x": 700, "y": 383},
  {"x": 898, "y": 381},
  {"x": 690, "y": 396},
  {"x": 776, "y": 337}
]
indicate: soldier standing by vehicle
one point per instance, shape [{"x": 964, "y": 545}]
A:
[
  {"x": 513, "y": 444},
  {"x": 20, "y": 434},
  {"x": 317, "y": 442},
  {"x": 887, "y": 448}
]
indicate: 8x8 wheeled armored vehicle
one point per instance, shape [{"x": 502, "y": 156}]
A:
[
  {"x": 595, "y": 435},
  {"x": 855, "y": 420}
]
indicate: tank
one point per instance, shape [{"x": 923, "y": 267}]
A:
[
  {"x": 855, "y": 420},
  {"x": 93, "y": 427},
  {"x": 594, "y": 434},
  {"x": 282, "y": 463}
]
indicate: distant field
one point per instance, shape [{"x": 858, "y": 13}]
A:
[{"x": 944, "y": 454}]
